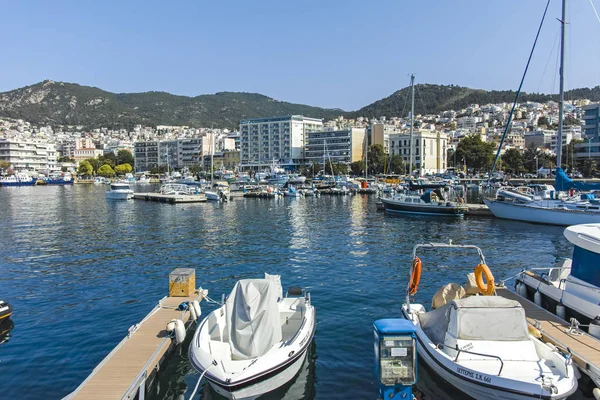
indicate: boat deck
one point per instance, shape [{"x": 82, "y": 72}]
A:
[
  {"x": 585, "y": 348},
  {"x": 123, "y": 372}
]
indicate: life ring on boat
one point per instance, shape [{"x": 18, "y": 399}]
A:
[
  {"x": 415, "y": 276},
  {"x": 486, "y": 289}
]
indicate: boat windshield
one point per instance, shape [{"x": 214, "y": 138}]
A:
[{"x": 586, "y": 266}]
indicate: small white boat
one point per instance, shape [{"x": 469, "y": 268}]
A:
[
  {"x": 482, "y": 345},
  {"x": 119, "y": 191},
  {"x": 257, "y": 341}
]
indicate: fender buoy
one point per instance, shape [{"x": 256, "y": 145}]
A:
[
  {"x": 415, "y": 276},
  {"x": 487, "y": 289}
]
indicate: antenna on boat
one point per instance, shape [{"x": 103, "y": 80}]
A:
[{"x": 412, "y": 122}]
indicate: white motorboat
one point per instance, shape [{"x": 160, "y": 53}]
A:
[
  {"x": 571, "y": 289},
  {"x": 482, "y": 345},
  {"x": 119, "y": 191},
  {"x": 255, "y": 342}
]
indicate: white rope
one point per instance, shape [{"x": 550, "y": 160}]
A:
[
  {"x": 198, "y": 383},
  {"x": 595, "y": 12}
]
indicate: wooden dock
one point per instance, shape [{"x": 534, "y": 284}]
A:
[
  {"x": 171, "y": 198},
  {"x": 478, "y": 210},
  {"x": 584, "y": 348},
  {"x": 125, "y": 370}
]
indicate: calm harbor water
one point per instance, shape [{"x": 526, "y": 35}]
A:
[{"x": 79, "y": 271}]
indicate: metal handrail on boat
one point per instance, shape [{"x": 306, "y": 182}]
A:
[
  {"x": 448, "y": 245},
  {"x": 441, "y": 345}
]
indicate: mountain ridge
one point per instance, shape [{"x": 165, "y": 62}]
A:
[{"x": 63, "y": 103}]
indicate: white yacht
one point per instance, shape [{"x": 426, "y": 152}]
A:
[
  {"x": 482, "y": 345},
  {"x": 119, "y": 191},
  {"x": 255, "y": 342},
  {"x": 571, "y": 289}
]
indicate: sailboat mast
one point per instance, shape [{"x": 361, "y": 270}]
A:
[
  {"x": 562, "y": 88},
  {"x": 412, "y": 121},
  {"x": 366, "y": 156}
]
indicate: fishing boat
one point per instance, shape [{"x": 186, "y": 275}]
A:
[
  {"x": 5, "y": 310},
  {"x": 555, "y": 211},
  {"x": 18, "y": 180},
  {"x": 431, "y": 202},
  {"x": 481, "y": 344},
  {"x": 119, "y": 191},
  {"x": 64, "y": 178},
  {"x": 256, "y": 341}
]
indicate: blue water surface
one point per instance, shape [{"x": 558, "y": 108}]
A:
[{"x": 80, "y": 270}]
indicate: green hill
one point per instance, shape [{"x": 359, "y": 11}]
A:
[
  {"x": 59, "y": 103},
  {"x": 433, "y": 99}
]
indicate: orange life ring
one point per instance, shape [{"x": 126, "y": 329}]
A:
[
  {"x": 489, "y": 288},
  {"x": 415, "y": 276}
]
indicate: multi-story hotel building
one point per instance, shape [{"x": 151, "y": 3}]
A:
[
  {"x": 263, "y": 140},
  {"x": 26, "y": 155},
  {"x": 430, "y": 149},
  {"x": 341, "y": 146},
  {"x": 174, "y": 153}
]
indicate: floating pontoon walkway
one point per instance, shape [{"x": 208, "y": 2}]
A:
[
  {"x": 171, "y": 198},
  {"x": 124, "y": 371},
  {"x": 584, "y": 348}
]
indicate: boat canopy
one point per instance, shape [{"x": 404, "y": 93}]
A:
[
  {"x": 586, "y": 253},
  {"x": 491, "y": 318},
  {"x": 253, "y": 320},
  {"x": 563, "y": 183}
]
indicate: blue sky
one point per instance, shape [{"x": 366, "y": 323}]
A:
[{"x": 343, "y": 54}]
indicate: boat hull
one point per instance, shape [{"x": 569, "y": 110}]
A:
[
  {"x": 540, "y": 215},
  {"x": 264, "y": 385},
  {"x": 13, "y": 184},
  {"x": 118, "y": 195},
  {"x": 441, "y": 210}
]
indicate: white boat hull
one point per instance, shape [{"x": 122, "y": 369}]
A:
[
  {"x": 265, "y": 386},
  {"x": 540, "y": 215},
  {"x": 119, "y": 195}
]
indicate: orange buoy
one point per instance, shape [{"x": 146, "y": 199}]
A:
[
  {"x": 415, "y": 276},
  {"x": 489, "y": 288}
]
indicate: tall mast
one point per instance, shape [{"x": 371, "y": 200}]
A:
[
  {"x": 366, "y": 156},
  {"x": 562, "y": 83},
  {"x": 412, "y": 122}
]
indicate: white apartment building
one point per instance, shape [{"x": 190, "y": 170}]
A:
[
  {"x": 430, "y": 149},
  {"x": 338, "y": 146},
  {"x": 282, "y": 139},
  {"x": 28, "y": 155}
]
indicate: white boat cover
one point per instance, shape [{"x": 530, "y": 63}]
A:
[
  {"x": 487, "y": 318},
  {"x": 253, "y": 321}
]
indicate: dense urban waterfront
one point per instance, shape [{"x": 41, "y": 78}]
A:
[{"x": 79, "y": 271}]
